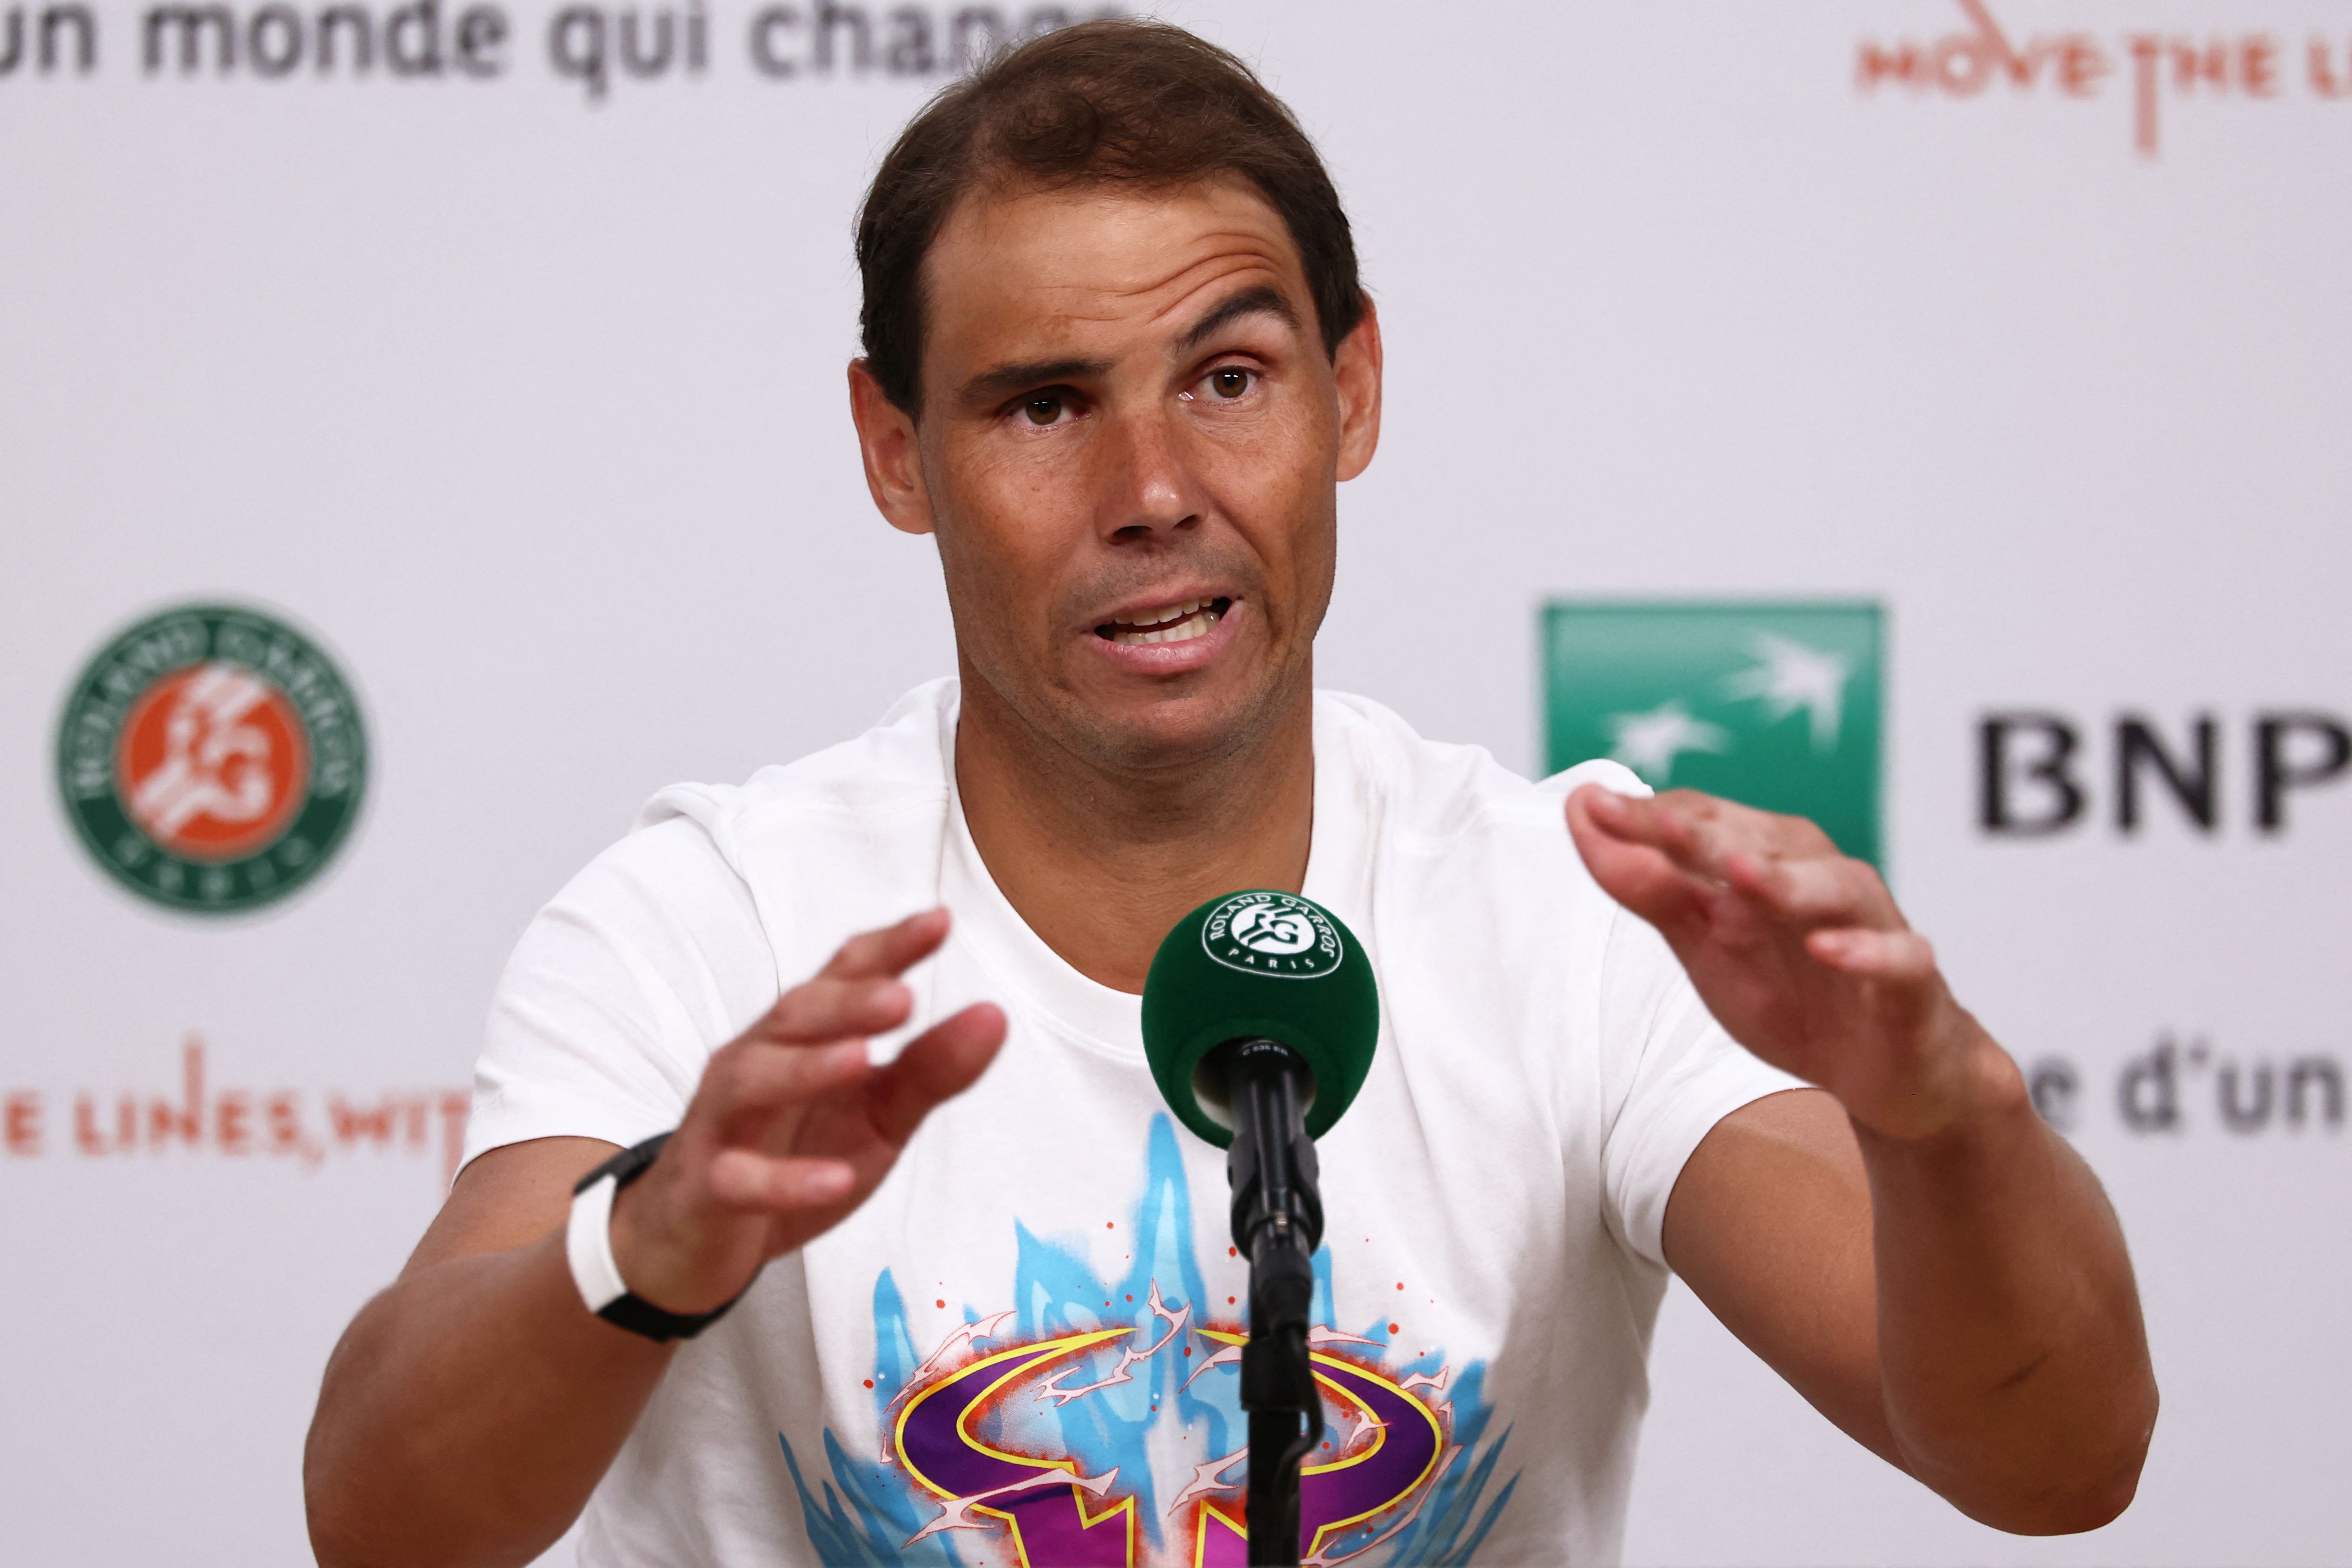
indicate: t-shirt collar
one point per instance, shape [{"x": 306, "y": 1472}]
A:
[{"x": 1110, "y": 1019}]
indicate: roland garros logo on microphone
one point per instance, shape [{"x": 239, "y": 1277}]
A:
[
  {"x": 1271, "y": 933},
  {"x": 212, "y": 759}
]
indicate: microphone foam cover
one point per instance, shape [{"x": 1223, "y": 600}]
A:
[{"x": 1260, "y": 965}]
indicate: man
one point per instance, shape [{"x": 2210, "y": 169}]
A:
[{"x": 1117, "y": 363}]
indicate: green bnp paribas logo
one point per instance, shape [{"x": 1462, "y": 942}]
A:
[{"x": 1776, "y": 705}]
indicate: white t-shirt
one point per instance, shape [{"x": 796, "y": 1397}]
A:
[{"x": 1022, "y": 1349}]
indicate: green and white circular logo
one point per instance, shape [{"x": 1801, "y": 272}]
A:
[
  {"x": 1271, "y": 933},
  {"x": 212, "y": 758}
]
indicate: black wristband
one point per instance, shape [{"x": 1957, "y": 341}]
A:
[{"x": 630, "y": 1310}]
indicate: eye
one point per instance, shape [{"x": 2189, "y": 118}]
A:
[
  {"x": 1229, "y": 382},
  {"x": 1045, "y": 408}
]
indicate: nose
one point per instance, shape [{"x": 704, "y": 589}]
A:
[{"x": 1149, "y": 491}]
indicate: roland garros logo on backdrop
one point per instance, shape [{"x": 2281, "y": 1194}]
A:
[
  {"x": 1271, "y": 933},
  {"x": 212, "y": 758}
]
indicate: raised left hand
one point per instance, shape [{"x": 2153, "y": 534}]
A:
[{"x": 1799, "y": 951}]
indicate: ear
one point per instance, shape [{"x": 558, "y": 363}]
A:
[
  {"x": 1356, "y": 366},
  {"x": 894, "y": 464}
]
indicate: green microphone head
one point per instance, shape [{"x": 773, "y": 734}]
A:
[{"x": 1259, "y": 965}]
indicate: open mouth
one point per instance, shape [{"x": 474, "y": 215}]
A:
[{"x": 1179, "y": 622}]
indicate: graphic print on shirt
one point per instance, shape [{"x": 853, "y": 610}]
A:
[{"x": 1094, "y": 1425}]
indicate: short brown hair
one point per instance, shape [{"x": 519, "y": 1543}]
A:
[{"x": 1119, "y": 102}]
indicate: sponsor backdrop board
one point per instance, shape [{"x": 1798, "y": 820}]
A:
[{"x": 425, "y": 437}]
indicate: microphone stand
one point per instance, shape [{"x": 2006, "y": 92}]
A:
[{"x": 1277, "y": 1220}]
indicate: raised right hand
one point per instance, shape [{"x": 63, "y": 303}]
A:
[{"x": 790, "y": 1128}]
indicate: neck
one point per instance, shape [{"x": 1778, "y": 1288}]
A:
[{"x": 1101, "y": 860}]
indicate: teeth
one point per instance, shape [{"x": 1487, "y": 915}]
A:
[
  {"x": 1198, "y": 617},
  {"x": 1162, "y": 615}
]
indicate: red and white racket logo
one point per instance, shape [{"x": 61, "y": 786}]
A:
[
  {"x": 213, "y": 761},
  {"x": 212, "y": 758}
]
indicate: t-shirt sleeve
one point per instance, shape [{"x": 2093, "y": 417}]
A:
[
  {"x": 1674, "y": 1072},
  {"x": 619, "y": 991}
]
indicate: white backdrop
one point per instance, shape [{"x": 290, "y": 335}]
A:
[{"x": 528, "y": 404}]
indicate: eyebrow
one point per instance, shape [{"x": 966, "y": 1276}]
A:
[
  {"x": 1263, "y": 300},
  {"x": 1004, "y": 380}
]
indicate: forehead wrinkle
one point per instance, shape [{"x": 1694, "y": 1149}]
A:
[
  {"x": 1227, "y": 209},
  {"x": 1134, "y": 268},
  {"x": 1181, "y": 305},
  {"x": 1235, "y": 249}
]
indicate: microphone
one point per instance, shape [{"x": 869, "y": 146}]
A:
[{"x": 1260, "y": 1016}]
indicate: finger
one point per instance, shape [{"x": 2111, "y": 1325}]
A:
[
  {"x": 1679, "y": 823},
  {"x": 938, "y": 1064},
  {"x": 1634, "y": 818},
  {"x": 826, "y": 1009},
  {"x": 741, "y": 1179},
  {"x": 877, "y": 954},
  {"x": 1895, "y": 957},
  {"x": 1630, "y": 869},
  {"x": 1814, "y": 891},
  {"x": 756, "y": 1075},
  {"x": 1700, "y": 832}
]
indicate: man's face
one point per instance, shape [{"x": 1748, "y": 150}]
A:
[{"x": 1129, "y": 448}]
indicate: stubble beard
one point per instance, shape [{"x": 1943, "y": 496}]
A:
[{"x": 1082, "y": 745}]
